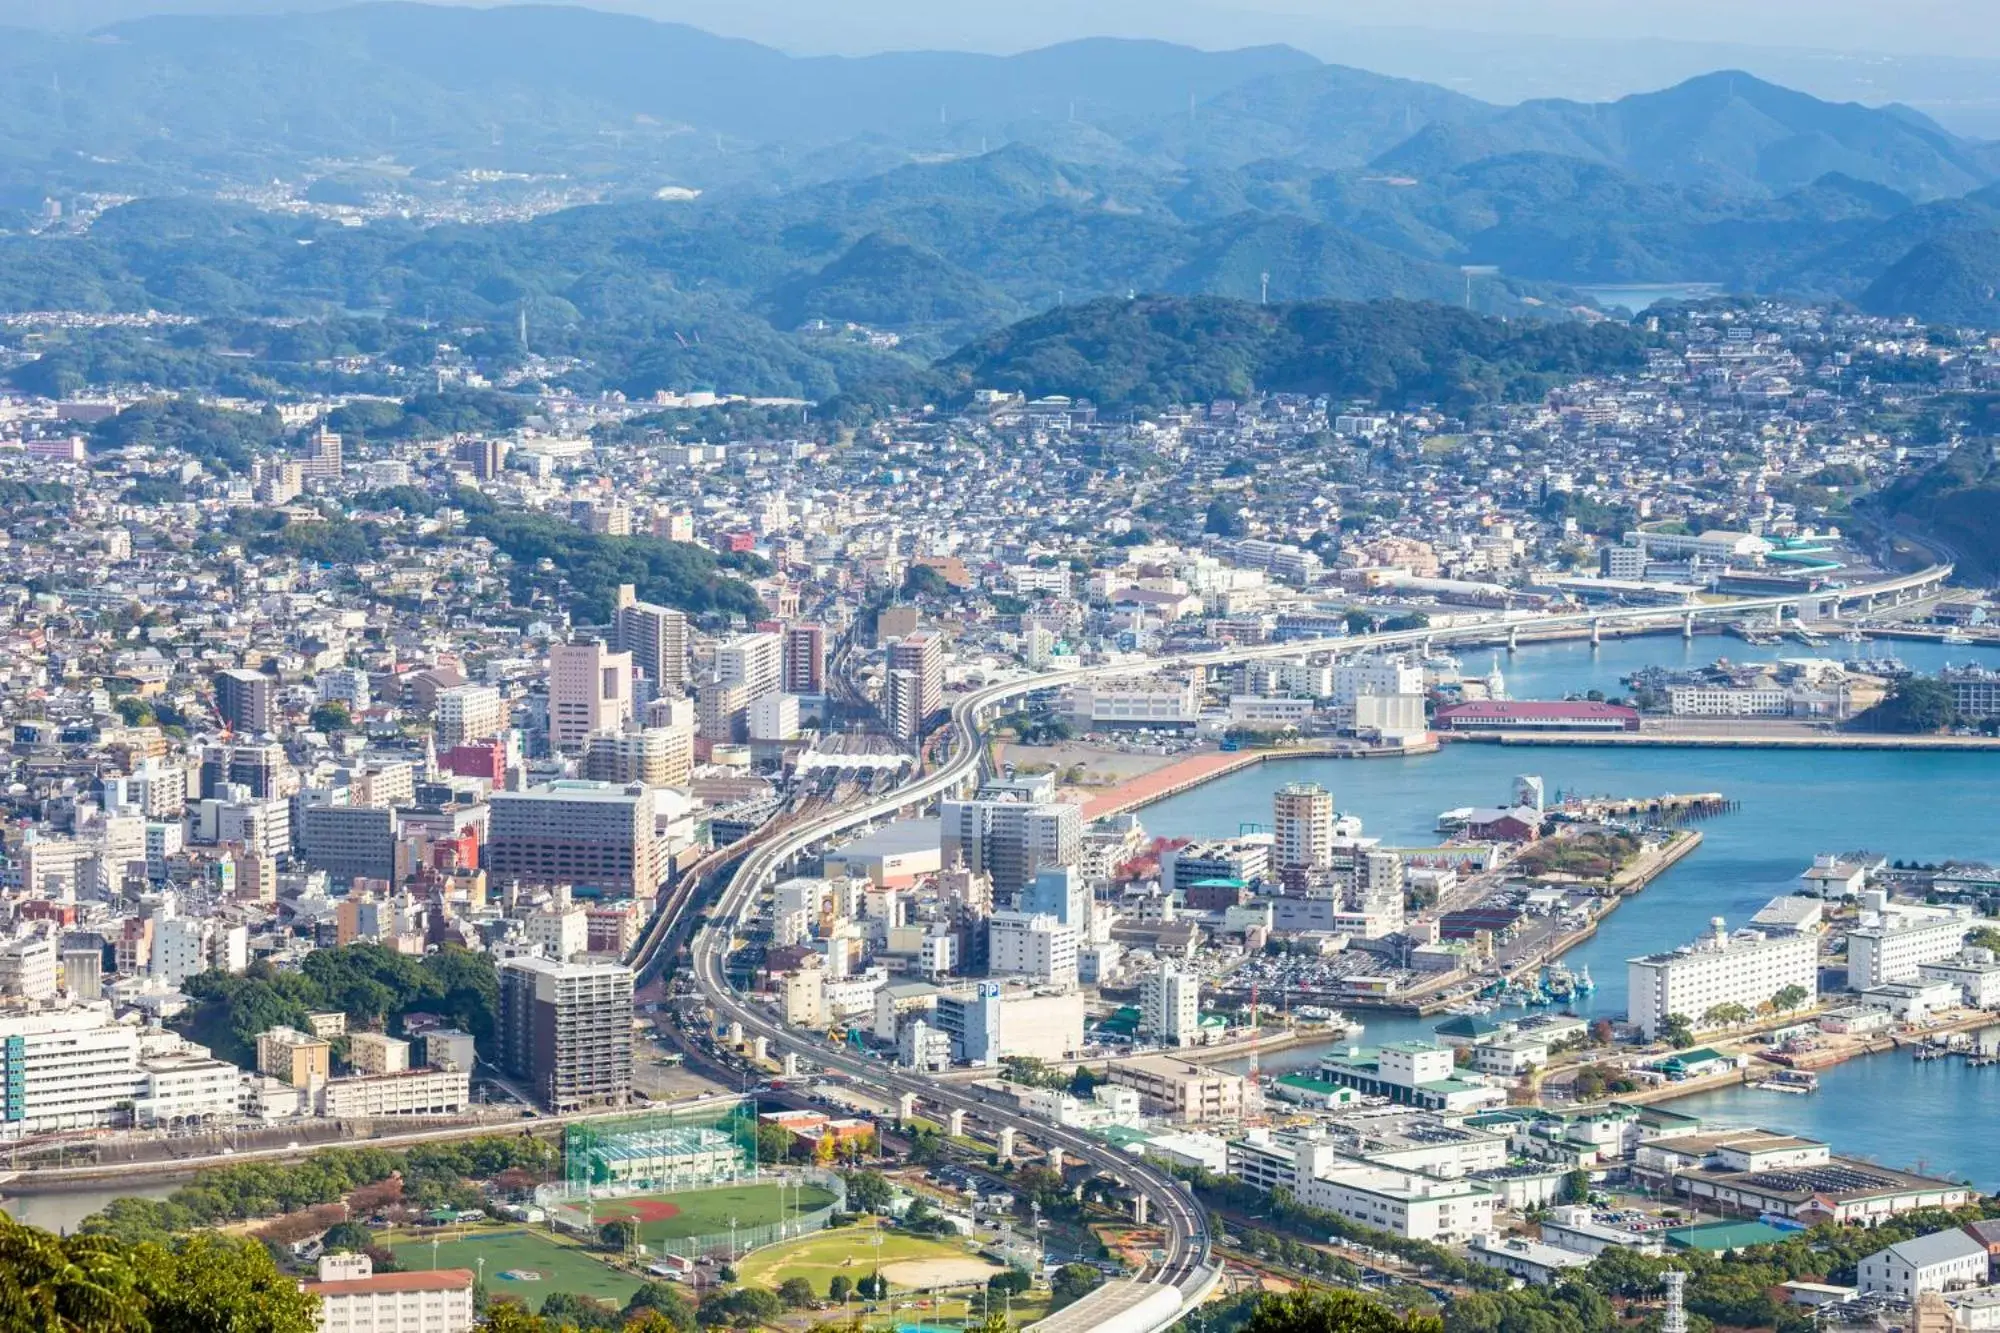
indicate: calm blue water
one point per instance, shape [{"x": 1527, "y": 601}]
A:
[
  {"x": 1900, "y": 804},
  {"x": 1639, "y": 297}
]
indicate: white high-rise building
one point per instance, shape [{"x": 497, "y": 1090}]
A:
[
  {"x": 1170, "y": 1005},
  {"x": 469, "y": 713},
  {"x": 1033, "y": 945},
  {"x": 754, "y": 661},
  {"x": 28, "y": 967},
  {"x": 1747, "y": 968}
]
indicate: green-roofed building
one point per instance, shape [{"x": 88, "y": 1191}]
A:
[{"x": 1726, "y": 1237}]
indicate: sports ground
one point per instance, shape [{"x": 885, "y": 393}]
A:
[
  {"x": 514, "y": 1250},
  {"x": 707, "y": 1212},
  {"x": 851, "y": 1252}
]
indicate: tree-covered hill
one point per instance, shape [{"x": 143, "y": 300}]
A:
[{"x": 1160, "y": 350}]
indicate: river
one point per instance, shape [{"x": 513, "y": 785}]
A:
[{"x": 1902, "y": 804}]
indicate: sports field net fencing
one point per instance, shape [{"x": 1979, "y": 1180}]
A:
[
  {"x": 583, "y": 1216},
  {"x": 661, "y": 1148}
]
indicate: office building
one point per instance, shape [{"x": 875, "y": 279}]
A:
[
  {"x": 914, "y": 699},
  {"x": 565, "y": 1029},
  {"x": 412, "y": 1092},
  {"x": 1170, "y": 1005},
  {"x": 1302, "y": 825},
  {"x": 467, "y": 713},
  {"x": 657, "y": 639},
  {"x": 354, "y": 1298},
  {"x": 590, "y": 834},
  {"x": 349, "y": 842},
  {"x": 754, "y": 661},
  {"x": 1033, "y": 946},
  {"x": 1405, "y": 1203},
  {"x": 28, "y": 968},
  {"x": 805, "y": 659},
  {"x": 1010, "y": 839},
  {"x": 1747, "y": 968},
  {"x": 590, "y": 690},
  {"x": 1180, "y": 1090},
  {"x": 653, "y": 757},
  {"x": 246, "y": 701}
]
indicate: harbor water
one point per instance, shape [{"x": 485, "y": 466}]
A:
[{"x": 1901, "y": 804}]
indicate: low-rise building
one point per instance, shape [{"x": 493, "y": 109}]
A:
[
  {"x": 411, "y": 1092},
  {"x": 354, "y": 1298}
]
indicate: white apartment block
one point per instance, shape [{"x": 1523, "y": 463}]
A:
[
  {"x": 1032, "y": 945},
  {"x": 1170, "y": 1005},
  {"x": 1747, "y": 968},
  {"x": 469, "y": 713},
  {"x": 1413, "y": 1206},
  {"x": 1899, "y": 941},
  {"x": 559, "y": 933}
]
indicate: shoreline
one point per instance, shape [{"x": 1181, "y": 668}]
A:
[
  {"x": 1197, "y": 770},
  {"x": 1669, "y": 741}
]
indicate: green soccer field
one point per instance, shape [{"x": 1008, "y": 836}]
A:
[
  {"x": 707, "y": 1212},
  {"x": 562, "y": 1267}
]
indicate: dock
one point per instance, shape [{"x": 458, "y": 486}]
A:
[{"x": 1198, "y": 770}]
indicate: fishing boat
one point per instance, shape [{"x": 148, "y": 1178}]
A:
[
  {"x": 1956, "y": 637},
  {"x": 1584, "y": 985},
  {"x": 1854, "y": 636}
]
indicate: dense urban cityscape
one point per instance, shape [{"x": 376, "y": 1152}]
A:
[{"x": 1393, "y": 808}]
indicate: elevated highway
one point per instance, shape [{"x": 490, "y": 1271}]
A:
[{"x": 1185, "y": 1266}]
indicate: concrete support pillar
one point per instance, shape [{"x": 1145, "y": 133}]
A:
[
  {"x": 1428, "y": 643},
  {"x": 906, "y": 1108},
  {"x": 791, "y": 1064},
  {"x": 735, "y": 1034},
  {"x": 1514, "y": 639},
  {"x": 1007, "y": 1143},
  {"x": 1139, "y": 1210},
  {"x": 1056, "y": 1160},
  {"x": 760, "y": 1048},
  {"x": 1596, "y": 631},
  {"x": 956, "y": 1123},
  {"x": 1687, "y": 625}
]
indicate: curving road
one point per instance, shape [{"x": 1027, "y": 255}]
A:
[{"x": 1185, "y": 1265}]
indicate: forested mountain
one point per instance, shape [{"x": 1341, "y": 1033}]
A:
[
  {"x": 1156, "y": 351},
  {"x": 932, "y": 196}
]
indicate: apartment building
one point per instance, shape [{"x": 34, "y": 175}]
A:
[
  {"x": 657, "y": 639},
  {"x": 411, "y": 1092},
  {"x": 655, "y": 757},
  {"x": 1747, "y": 968},
  {"x": 1170, "y": 1005},
  {"x": 1010, "y": 839},
  {"x": 467, "y": 713},
  {"x": 915, "y": 684},
  {"x": 1302, "y": 828},
  {"x": 1033, "y": 945},
  {"x": 565, "y": 1029}
]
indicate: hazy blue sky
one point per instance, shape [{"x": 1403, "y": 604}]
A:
[
  {"x": 1942, "y": 56},
  {"x": 1941, "y": 27}
]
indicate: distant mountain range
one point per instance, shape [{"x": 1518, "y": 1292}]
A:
[{"x": 938, "y": 196}]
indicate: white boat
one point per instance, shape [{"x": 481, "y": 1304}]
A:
[
  {"x": 1956, "y": 637},
  {"x": 1854, "y": 636}
]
